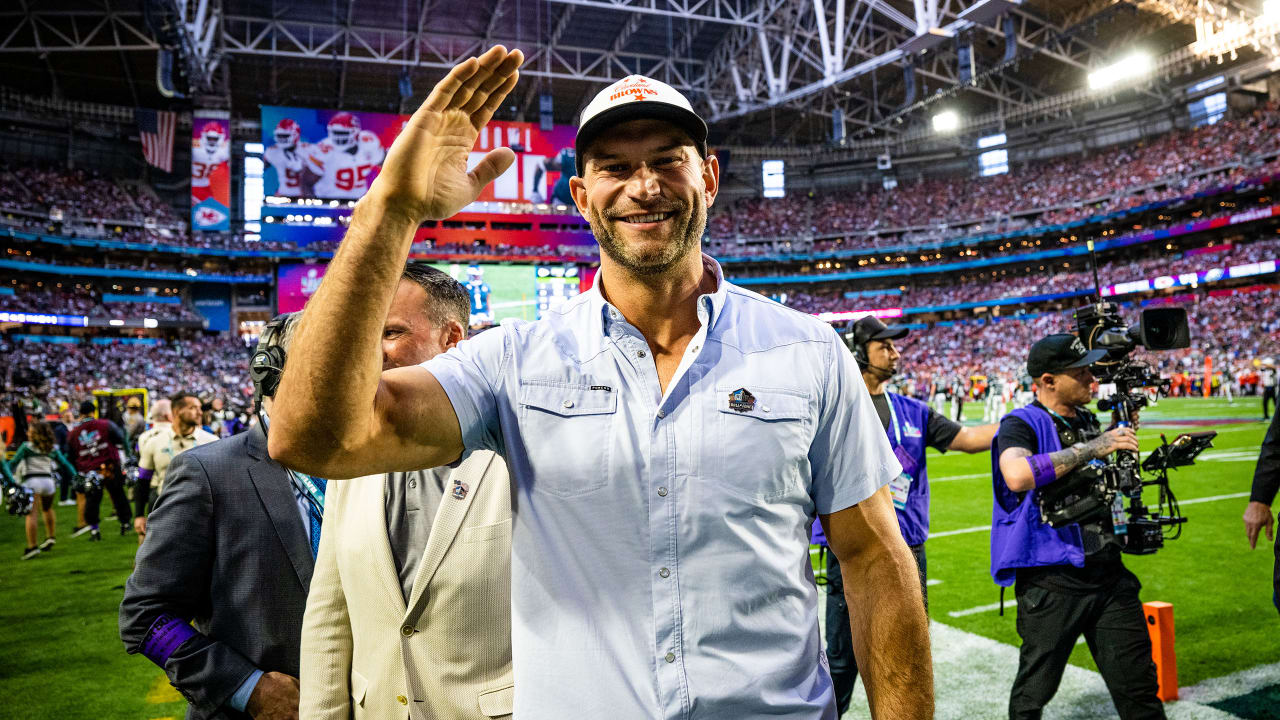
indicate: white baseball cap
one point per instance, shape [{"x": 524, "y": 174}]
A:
[{"x": 637, "y": 97}]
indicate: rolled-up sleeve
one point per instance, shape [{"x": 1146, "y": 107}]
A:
[
  {"x": 850, "y": 456},
  {"x": 470, "y": 374}
]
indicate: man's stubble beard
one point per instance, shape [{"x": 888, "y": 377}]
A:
[{"x": 669, "y": 256}]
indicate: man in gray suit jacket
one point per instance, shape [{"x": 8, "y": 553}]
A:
[{"x": 220, "y": 586}]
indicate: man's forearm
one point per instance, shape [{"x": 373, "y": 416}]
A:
[
  {"x": 890, "y": 633},
  {"x": 1068, "y": 459},
  {"x": 334, "y": 364}
]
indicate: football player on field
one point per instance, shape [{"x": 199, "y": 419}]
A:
[
  {"x": 344, "y": 159},
  {"x": 288, "y": 158},
  {"x": 208, "y": 152}
]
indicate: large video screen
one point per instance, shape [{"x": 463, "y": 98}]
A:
[
  {"x": 335, "y": 155},
  {"x": 497, "y": 292}
]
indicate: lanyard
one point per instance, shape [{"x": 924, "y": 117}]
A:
[
  {"x": 1064, "y": 420},
  {"x": 310, "y": 490},
  {"x": 893, "y": 419}
]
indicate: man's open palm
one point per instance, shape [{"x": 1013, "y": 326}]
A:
[{"x": 425, "y": 174}]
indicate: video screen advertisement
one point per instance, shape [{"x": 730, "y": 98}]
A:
[
  {"x": 335, "y": 155},
  {"x": 211, "y": 171},
  {"x": 497, "y": 291}
]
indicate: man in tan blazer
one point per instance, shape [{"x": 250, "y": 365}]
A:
[{"x": 411, "y": 617}]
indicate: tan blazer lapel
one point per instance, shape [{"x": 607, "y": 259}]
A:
[
  {"x": 444, "y": 529},
  {"x": 373, "y": 503}
]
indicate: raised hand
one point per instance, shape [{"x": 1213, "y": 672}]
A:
[{"x": 424, "y": 176}]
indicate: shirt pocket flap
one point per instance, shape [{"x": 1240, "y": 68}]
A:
[
  {"x": 568, "y": 400},
  {"x": 495, "y": 703},
  {"x": 359, "y": 685},
  {"x": 767, "y": 405}
]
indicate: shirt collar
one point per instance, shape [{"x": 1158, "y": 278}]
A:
[{"x": 709, "y": 305}]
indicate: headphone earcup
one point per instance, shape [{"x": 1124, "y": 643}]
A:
[
  {"x": 860, "y": 355},
  {"x": 265, "y": 368}
]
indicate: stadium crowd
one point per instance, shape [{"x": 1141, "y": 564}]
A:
[
  {"x": 83, "y": 194},
  {"x": 1239, "y": 331},
  {"x": 997, "y": 284},
  {"x": 52, "y": 372},
  {"x": 1061, "y": 190},
  {"x": 89, "y": 302}
]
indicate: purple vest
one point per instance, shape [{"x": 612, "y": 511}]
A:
[
  {"x": 907, "y": 437},
  {"x": 1018, "y": 538},
  {"x": 913, "y": 520}
]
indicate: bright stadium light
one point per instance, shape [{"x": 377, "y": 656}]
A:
[
  {"x": 946, "y": 121},
  {"x": 1137, "y": 65}
]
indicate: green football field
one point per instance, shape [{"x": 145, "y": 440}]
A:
[
  {"x": 512, "y": 288},
  {"x": 61, "y": 659}
]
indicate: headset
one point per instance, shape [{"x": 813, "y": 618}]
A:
[
  {"x": 267, "y": 363},
  {"x": 858, "y": 336}
]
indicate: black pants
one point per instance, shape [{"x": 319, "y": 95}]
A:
[
  {"x": 1275, "y": 577},
  {"x": 1113, "y": 624},
  {"x": 844, "y": 666},
  {"x": 113, "y": 484},
  {"x": 1268, "y": 401}
]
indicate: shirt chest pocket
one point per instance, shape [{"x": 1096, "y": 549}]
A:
[
  {"x": 567, "y": 430},
  {"x": 764, "y": 437}
]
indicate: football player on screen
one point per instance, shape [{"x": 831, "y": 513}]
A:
[
  {"x": 479, "y": 291},
  {"x": 210, "y": 151},
  {"x": 287, "y": 156},
  {"x": 563, "y": 163},
  {"x": 344, "y": 159}
]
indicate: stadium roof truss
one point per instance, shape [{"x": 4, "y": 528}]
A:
[{"x": 875, "y": 61}]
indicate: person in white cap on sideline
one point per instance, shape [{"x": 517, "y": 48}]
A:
[{"x": 671, "y": 437}]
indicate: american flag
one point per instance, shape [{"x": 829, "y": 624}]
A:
[{"x": 156, "y": 128}]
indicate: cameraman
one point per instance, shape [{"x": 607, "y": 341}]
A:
[
  {"x": 1069, "y": 580},
  {"x": 1266, "y": 482}
]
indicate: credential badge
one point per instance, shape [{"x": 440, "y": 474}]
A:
[{"x": 460, "y": 490}]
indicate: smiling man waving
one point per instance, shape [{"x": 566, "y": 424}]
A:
[{"x": 671, "y": 436}]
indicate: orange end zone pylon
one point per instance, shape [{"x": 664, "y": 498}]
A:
[{"x": 1160, "y": 625}]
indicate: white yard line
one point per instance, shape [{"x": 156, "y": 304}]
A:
[
  {"x": 976, "y": 610},
  {"x": 1231, "y": 496},
  {"x": 974, "y": 476},
  {"x": 961, "y": 531}
]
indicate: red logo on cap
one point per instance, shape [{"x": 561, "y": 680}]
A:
[{"x": 637, "y": 88}]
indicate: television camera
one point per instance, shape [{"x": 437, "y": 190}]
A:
[{"x": 1106, "y": 496}]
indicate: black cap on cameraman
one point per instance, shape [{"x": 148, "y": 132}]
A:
[
  {"x": 1060, "y": 352},
  {"x": 88, "y": 407}
]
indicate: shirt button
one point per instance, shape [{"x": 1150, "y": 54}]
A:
[
  {"x": 671, "y": 657},
  {"x": 764, "y": 408},
  {"x": 567, "y": 404},
  {"x": 413, "y": 484},
  {"x": 407, "y": 630},
  {"x": 662, "y": 492},
  {"x": 402, "y": 700},
  {"x": 642, "y": 353},
  {"x": 662, "y": 413},
  {"x": 664, "y": 572},
  {"x": 613, "y": 314}
]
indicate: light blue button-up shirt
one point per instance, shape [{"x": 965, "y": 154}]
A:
[{"x": 660, "y": 552}]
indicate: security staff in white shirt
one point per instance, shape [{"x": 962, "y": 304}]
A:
[{"x": 671, "y": 436}]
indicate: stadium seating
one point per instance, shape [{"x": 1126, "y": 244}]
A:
[{"x": 1060, "y": 190}]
